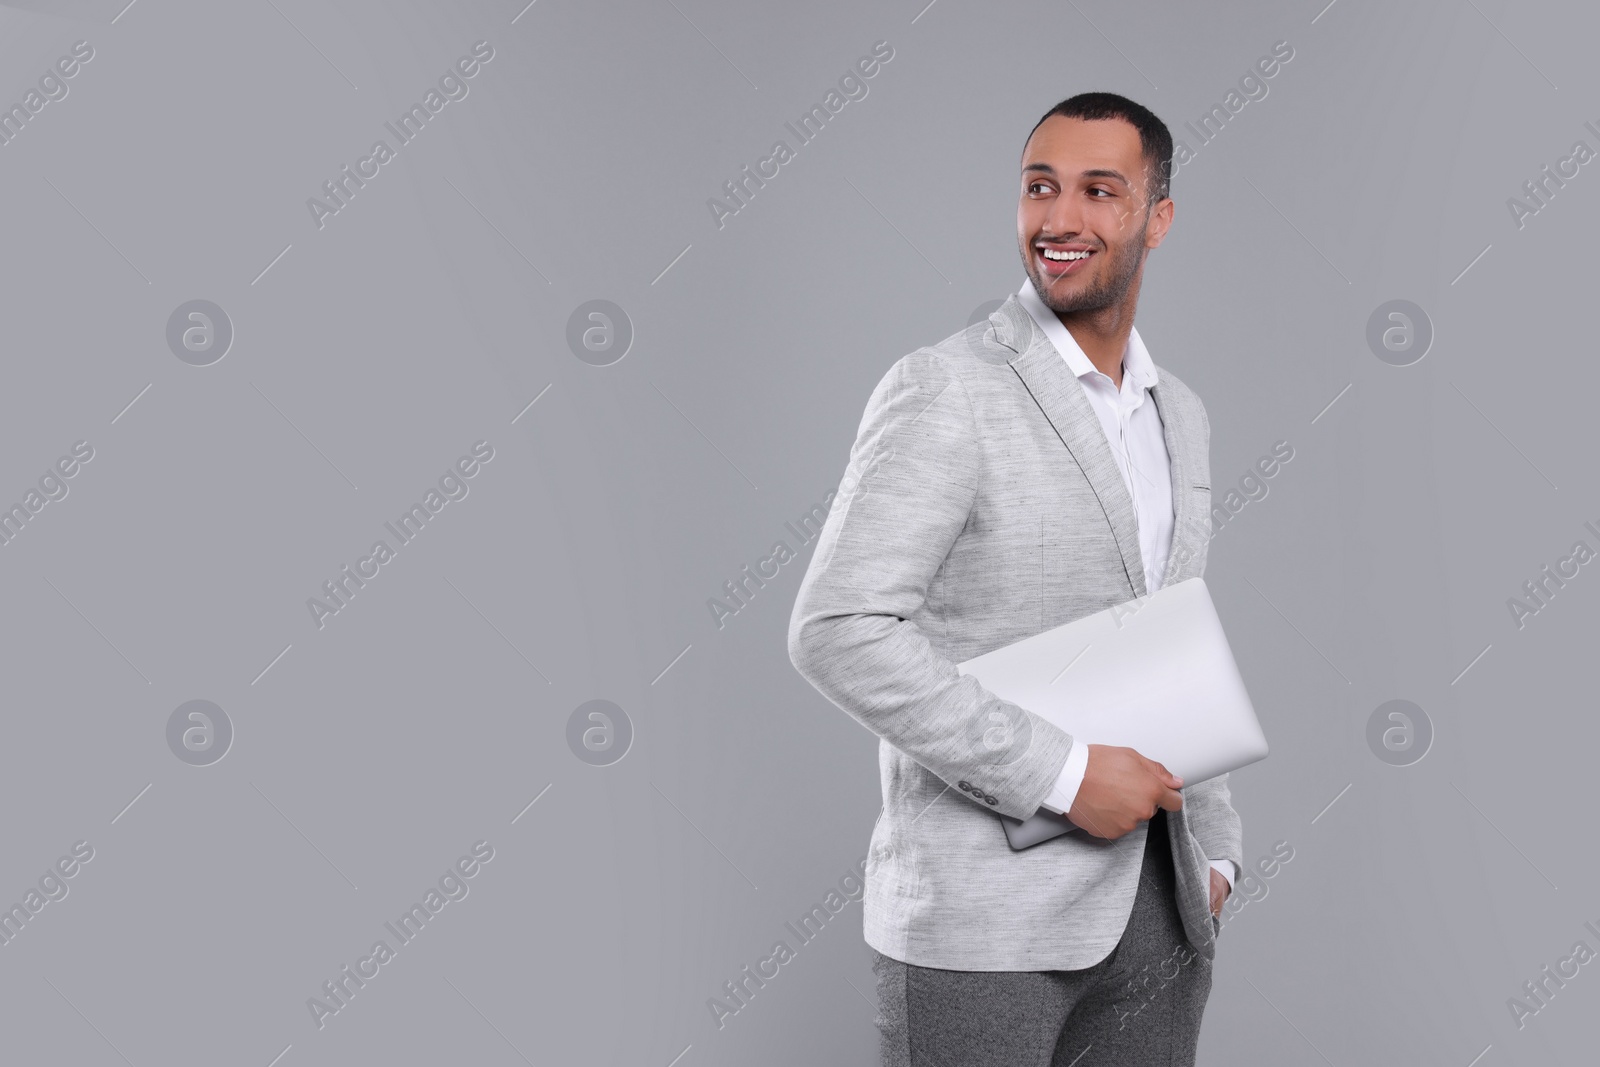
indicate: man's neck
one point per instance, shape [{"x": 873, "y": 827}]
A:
[{"x": 1103, "y": 336}]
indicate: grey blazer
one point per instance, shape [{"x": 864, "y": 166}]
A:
[{"x": 982, "y": 505}]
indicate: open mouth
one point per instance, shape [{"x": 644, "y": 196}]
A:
[{"x": 1060, "y": 262}]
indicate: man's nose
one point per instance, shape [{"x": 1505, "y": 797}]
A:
[{"x": 1065, "y": 218}]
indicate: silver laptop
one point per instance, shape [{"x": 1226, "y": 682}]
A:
[{"x": 1154, "y": 674}]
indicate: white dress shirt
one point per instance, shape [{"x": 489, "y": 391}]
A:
[{"x": 1138, "y": 443}]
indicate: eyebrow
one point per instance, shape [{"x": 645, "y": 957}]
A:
[{"x": 1045, "y": 168}]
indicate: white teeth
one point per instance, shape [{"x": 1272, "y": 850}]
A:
[{"x": 1052, "y": 254}]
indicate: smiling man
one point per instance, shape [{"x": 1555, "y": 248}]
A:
[{"x": 1040, "y": 468}]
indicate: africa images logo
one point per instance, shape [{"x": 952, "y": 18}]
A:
[
  {"x": 453, "y": 86},
  {"x": 343, "y": 987},
  {"x": 341, "y": 590},
  {"x": 738, "y": 589}
]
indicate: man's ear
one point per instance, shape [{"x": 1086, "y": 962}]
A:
[{"x": 1160, "y": 223}]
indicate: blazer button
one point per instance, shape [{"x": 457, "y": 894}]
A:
[
  {"x": 965, "y": 788},
  {"x": 991, "y": 800}
]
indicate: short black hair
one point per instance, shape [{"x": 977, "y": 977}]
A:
[{"x": 1155, "y": 140}]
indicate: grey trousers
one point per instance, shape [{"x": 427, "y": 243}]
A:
[{"x": 1138, "y": 1007}]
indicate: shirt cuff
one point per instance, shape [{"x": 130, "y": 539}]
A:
[
  {"x": 1225, "y": 868},
  {"x": 1065, "y": 791}
]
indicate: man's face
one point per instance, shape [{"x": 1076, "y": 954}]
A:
[{"x": 1085, "y": 189}]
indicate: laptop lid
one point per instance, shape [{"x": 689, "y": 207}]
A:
[{"x": 1154, "y": 674}]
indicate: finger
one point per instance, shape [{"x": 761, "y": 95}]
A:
[
  {"x": 1171, "y": 799},
  {"x": 1165, "y": 775}
]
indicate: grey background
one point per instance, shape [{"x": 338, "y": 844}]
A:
[{"x": 430, "y": 312}]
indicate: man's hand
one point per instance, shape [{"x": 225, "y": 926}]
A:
[
  {"x": 1120, "y": 790},
  {"x": 1219, "y": 891}
]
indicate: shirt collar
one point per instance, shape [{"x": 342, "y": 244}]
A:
[{"x": 1136, "y": 361}]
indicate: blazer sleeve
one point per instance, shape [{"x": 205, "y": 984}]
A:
[
  {"x": 1208, "y": 805},
  {"x": 909, "y": 488}
]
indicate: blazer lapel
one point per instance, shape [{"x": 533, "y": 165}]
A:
[
  {"x": 1060, "y": 396},
  {"x": 1179, "y": 428}
]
